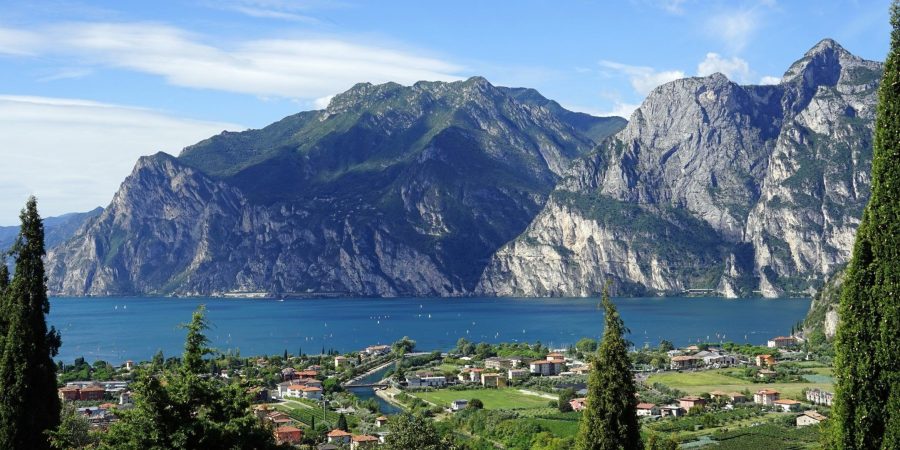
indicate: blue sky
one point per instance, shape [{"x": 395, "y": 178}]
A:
[{"x": 87, "y": 87}]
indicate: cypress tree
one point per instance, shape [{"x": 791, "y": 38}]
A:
[
  {"x": 867, "y": 360},
  {"x": 609, "y": 420},
  {"x": 29, "y": 406}
]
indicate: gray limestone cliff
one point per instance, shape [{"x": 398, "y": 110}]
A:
[{"x": 712, "y": 187}]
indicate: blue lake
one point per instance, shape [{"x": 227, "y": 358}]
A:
[{"x": 116, "y": 329}]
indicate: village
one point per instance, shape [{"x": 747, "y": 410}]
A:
[{"x": 312, "y": 401}]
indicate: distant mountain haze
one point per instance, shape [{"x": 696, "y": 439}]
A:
[{"x": 461, "y": 188}]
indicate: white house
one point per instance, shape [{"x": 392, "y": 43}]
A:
[
  {"x": 545, "y": 367},
  {"x": 787, "y": 405},
  {"x": 416, "y": 381},
  {"x": 647, "y": 410},
  {"x": 766, "y": 397},
  {"x": 809, "y": 418}
]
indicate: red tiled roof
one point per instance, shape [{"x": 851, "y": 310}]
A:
[
  {"x": 787, "y": 402},
  {"x": 646, "y": 406},
  {"x": 768, "y": 392},
  {"x": 338, "y": 433},
  {"x": 287, "y": 429}
]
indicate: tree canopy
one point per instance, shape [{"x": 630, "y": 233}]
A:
[
  {"x": 867, "y": 346},
  {"x": 29, "y": 406},
  {"x": 184, "y": 408},
  {"x": 609, "y": 420}
]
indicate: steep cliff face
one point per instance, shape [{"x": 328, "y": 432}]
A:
[
  {"x": 769, "y": 183},
  {"x": 389, "y": 191}
]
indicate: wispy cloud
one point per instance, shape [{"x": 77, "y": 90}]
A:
[
  {"x": 304, "y": 68},
  {"x": 66, "y": 74},
  {"x": 643, "y": 79},
  {"x": 734, "y": 28},
  {"x": 768, "y": 79},
  {"x": 87, "y": 146},
  {"x": 736, "y": 69},
  {"x": 294, "y": 11}
]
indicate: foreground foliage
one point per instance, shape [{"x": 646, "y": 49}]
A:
[
  {"x": 29, "y": 406},
  {"x": 609, "y": 420},
  {"x": 867, "y": 360},
  {"x": 182, "y": 408}
]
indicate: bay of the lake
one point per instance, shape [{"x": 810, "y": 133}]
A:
[{"x": 116, "y": 329}]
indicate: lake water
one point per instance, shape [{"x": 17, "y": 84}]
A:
[{"x": 116, "y": 329}]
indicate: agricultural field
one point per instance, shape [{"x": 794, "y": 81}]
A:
[
  {"x": 492, "y": 398},
  {"x": 712, "y": 380}
]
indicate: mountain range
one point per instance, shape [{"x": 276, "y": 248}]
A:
[{"x": 466, "y": 188}]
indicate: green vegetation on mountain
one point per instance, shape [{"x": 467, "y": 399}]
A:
[{"x": 867, "y": 362}]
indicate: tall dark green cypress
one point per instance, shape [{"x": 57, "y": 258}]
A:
[
  {"x": 609, "y": 420},
  {"x": 867, "y": 361},
  {"x": 29, "y": 405}
]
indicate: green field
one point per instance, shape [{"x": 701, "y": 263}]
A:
[
  {"x": 713, "y": 380},
  {"x": 492, "y": 398}
]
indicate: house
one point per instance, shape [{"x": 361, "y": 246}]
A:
[
  {"x": 716, "y": 359},
  {"x": 715, "y": 395},
  {"x": 819, "y": 397},
  {"x": 415, "y": 381},
  {"x": 692, "y": 349},
  {"x": 338, "y": 437},
  {"x": 287, "y": 374},
  {"x": 671, "y": 411},
  {"x": 493, "y": 380},
  {"x": 288, "y": 435},
  {"x": 545, "y": 367},
  {"x": 556, "y": 358},
  {"x": 766, "y": 374},
  {"x": 737, "y": 397},
  {"x": 363, "y": 441},
  {"x": 499, "y": 363},
  {"x": 68, "y": 393},
  {"x": 809, "y": 418},
  {"x": 766, "y": 397},
  {"x": 577, "y": 404},
  {"x": 340, "y": 362},
  {"x": 581, "y": 370},
  {"x": 381, "y": 421},
  {"x": 684, "y": 362},
  {"x": 129, "y": 365},
  {"x": 81, "y": 392},
  {"x": 311, "y": 393},
  {"x": 517, "y": 374},
  {"x": 125, "y": 398},
  {"x": 691, "y": 401},
  {"x": 458, "y": 405},
  {"x": 378, "y": 350},
  {"x": 765, "y": 360},
  {"x": 647, "y": 410},
  {"x": 783, "y": 342},
  {"x": 470, "y": 375},
  {"x": 787, "y": 405}
]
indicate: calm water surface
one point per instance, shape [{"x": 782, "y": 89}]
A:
[{"x": 119, "y": 328}]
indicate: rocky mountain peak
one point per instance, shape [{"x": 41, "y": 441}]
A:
[{"x": 823, "y": 64}]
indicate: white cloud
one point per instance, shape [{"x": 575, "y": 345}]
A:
[
  {"x": 620, "y": 109},
  {"x": 736, "y": 69},
  {"x": 643, "y": 79},
  {"x": 672, "y": 6},
  {"x": 306, "y": 68},
  {"x": 73, "y": 154},
  {"x": 734, "y": 28},
  {"x": 768, "y": 79}
]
